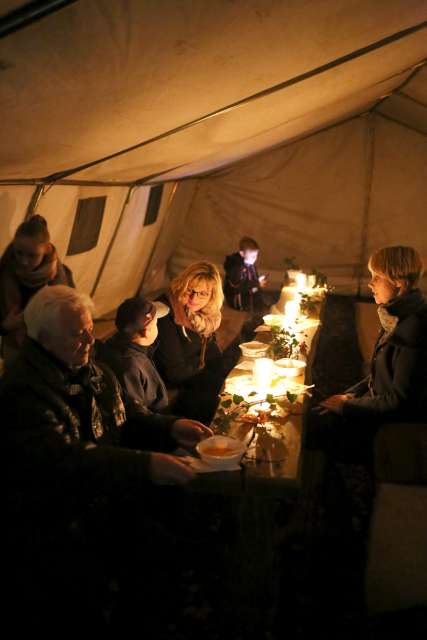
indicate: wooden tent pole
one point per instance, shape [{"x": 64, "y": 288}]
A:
[{"x": 35, "y": 199}]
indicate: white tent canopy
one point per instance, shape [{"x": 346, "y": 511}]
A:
[{"x": 301, "y": 123}]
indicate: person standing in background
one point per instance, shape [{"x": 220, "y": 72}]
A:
[
  {"x": 29, "y": 263},
  {"x": 242, "y": 285}
]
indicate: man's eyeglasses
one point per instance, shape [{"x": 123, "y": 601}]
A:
[{"x": 197, "y": 294}]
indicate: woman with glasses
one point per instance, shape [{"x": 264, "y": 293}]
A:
[{"x": 187, "y": 354}]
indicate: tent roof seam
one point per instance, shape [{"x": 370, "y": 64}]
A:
[{"x": 275, "y": 88}]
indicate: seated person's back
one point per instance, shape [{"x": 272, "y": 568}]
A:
[{"x": 129, "y": 353}]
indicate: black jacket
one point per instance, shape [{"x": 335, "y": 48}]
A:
[
  {"x": 396, "y": 389},
  {"x": 63, "y": 276},
  {"x": 178, "y": 353},
  {"x": 240, "y": 280},
  {"x": 144, "y": 389},
  {"x": 66, "y": 433}
]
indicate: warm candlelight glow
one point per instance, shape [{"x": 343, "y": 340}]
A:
[
  {"x": 311, "y": 281},
  {"x": 263, "y": 372},
  {"x": 301, "y": 280},
  {"x": 291, "y": 310}
]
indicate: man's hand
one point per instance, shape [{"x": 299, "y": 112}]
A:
[
  {"x": 166, "y": 469},
  {"x": 263, "y": 281},
  {"x": 334, "y": 404},
  {"x": 189, "y": 432}
]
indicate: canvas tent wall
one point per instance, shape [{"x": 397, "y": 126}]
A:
[
  {"x": 113, "y": 268},
  {"x": 328, "y": 200},
  {"x": 101, "y": 96}
]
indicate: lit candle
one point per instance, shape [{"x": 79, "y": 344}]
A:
[
  {"x": 263, "y": 372},
  {"x": 311, "y": 281},
  {"x": 301, "y": 280},
  {"x": 292, "y": 310}
]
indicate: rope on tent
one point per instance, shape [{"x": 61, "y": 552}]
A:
[
  {"x": 401, "y": 124},
  {"x": 398, "y": 91},
  {"x": 405, "y": 96}
]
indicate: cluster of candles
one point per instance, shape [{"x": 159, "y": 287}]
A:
[
  {"x": 303, "y": 284},
  {"x": 304, "y": 281},
  {"x": 264, "y": 368}
]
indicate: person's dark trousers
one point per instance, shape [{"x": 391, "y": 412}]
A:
[
  {"x": 348, "y": 480},
  {"x": 342, "y": 440}
]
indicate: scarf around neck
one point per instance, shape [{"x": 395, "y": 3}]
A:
[
  {"x": 12, "y": 277},
  {"x": 392, "y": 312},
  {"x": 204, "y": 322}
]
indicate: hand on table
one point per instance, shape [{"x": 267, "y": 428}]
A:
[
  {"x": 167, "y": 469},
  {"x": 334, "y": 404},
  {"x": 189, "y": 432}
]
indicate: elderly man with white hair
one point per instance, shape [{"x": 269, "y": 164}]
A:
[
  {"x": 65, "y": 415},
  {"x": 79, "y": 467}
]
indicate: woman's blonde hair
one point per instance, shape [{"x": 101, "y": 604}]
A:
[
  {"x": 200, "y": 272},
  {"x": 398, "y": 263}
]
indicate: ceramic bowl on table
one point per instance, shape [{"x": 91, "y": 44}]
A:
[
  {"x": 221, "y": 452},
  {"x": 273, "y": 319},
  {"x": 254, "y": 349},
  {"x": 290, "y": 367}
]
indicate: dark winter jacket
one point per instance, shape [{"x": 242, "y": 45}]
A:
[
  {"x": 178, "y": 353},
  {"x": 12, "y": 340},
  {"x": 143, "y": 388},
  {"x": 67, "y": 433},
  {"x": 396, "y": 389},
  {"x": 241, "y": 283}
]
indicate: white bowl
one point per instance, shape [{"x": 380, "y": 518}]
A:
[
  {"x": 292, "y": 274},
  {"x": 254, "y": 349},
  {"x": 273, "y": 319},
  {"x": 290, "y": 367},
  {"x": 221, "y": 452}
]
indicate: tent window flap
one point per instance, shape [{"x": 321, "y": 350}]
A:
[
  {"x": 153, "y": 205},
  {"x": 87, "y": 225}
]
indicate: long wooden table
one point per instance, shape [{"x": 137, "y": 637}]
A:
[
  {"x": 272, "y": 464},
  {"x": 271, "y": 474}
]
